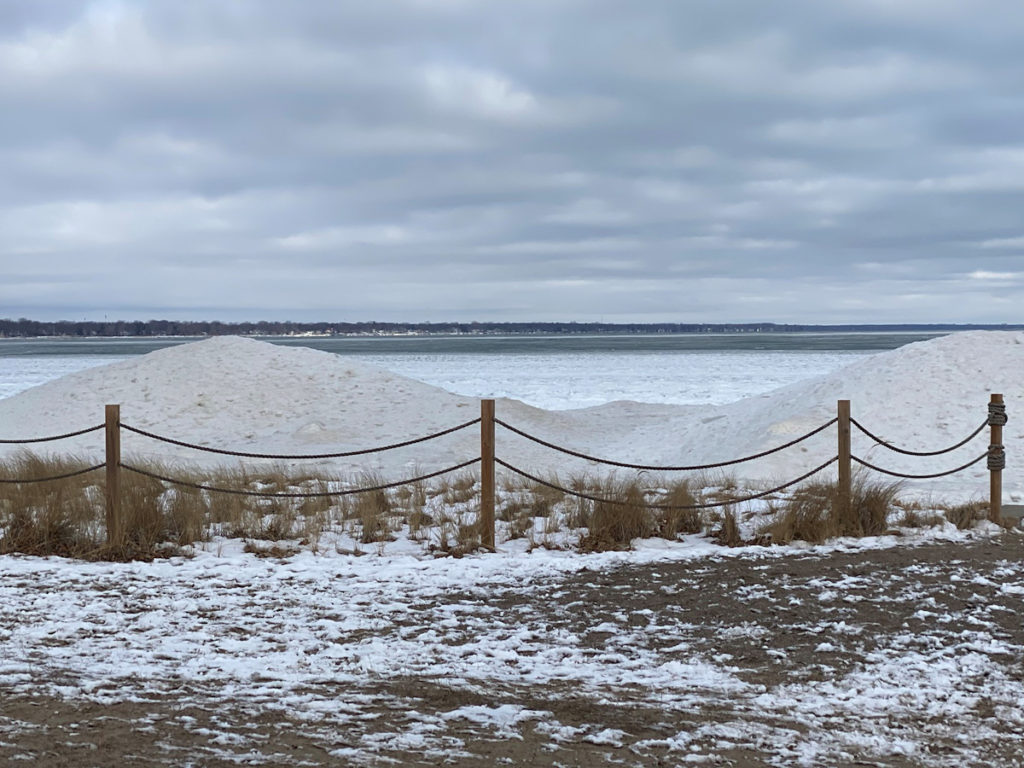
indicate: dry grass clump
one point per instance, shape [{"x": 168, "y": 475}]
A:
[
  {"x": 965, "y": 515},
  {"x": 186, "y": 515},
  {"x": 68, "y": 517},
  {"x": 728, "y": 533},
  {"x": 237, "y": 515},
  {"x": 518, "y": 515},
  {"x": 409, "y": 503},
  {"x": 544, "y": 499},
  {"x": 460, "y": 489},
  {"x": 456, "y": 534},
  {"x": 628, "y": 511},
  {"x": 621, "y": 516},
  {"x": 917, "y": 515},
  {"x": 49, "y": 518},
  {"x": 520, "y": 522},
  {"x": 812, "y": 513},
  {"x": 871, "y": 503},
  {"x": 672, "y": 522},
  {"x": 719, "y": 486},
  {"x": 411, "y": 498},
  {"x": 808, "y": 515},
  {"x": 419, "y": 521},
  {"x": 372, "y": 509},
  {"x": 271, "y": 549},
  {"x": 525, "y": 503},
  {"x": 144, "y": 524}
]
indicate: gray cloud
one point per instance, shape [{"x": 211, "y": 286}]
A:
[{"x": 851, "y": 161}]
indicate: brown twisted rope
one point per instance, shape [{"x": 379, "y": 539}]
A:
[
  {"x": 302, "y": 495},
  {"x": 997, "y": 415},
  {"x": 297, "y": 457},
  {"x": 625, "y": 465},
  {"x": 918, "y": 477},
  {"x": 616, "y": 502},
  {"x": 996, "y": 458},
  {"x": 51, "y": 438},
  {"x": 907, "y": 452},
  {"x": 54, "y": 477}
]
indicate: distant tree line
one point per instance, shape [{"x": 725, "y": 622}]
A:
[{"x": 24, "y": 327}]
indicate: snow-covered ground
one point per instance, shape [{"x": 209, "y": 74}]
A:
[
  {"x": 857, "y": 653},
  {"x": 253, "y": 396}
]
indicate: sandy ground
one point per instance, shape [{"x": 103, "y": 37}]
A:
[{"x": 903, "y": 656}]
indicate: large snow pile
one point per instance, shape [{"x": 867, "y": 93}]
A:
[
  {"x": 253, "y": 396},
  {"x": 246, "y": 395},
  {"x": 923, "y": 396}
]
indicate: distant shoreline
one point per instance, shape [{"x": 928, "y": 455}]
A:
[{"x": 24, "y": 328}]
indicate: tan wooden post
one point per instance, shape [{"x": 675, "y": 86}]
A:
[
  {"x": 113, "y": 490},
  {"x": 844, "y": 489},
  {"x": 487, "y": 474},
  {"x": 996, "y": 458}
]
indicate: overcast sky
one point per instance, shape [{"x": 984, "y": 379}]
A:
[{"x": 804, "y": 161}]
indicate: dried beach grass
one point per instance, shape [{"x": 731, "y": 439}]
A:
[
  {"x": 812, "y": 512},
  {"x": 619, "y": 517},
  {"x": 67, "y": 517},
  {"x": 685, "y": 518},
  {"x": 966, "y": 515},
  {"x": 49, "y": 518}
]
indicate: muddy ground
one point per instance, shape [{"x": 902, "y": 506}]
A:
[{"x": 842, "y": 658}]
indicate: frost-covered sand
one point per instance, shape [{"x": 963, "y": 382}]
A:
[
  {"x": 253, "y": 396},
  {"x": 858, "y": 653}
]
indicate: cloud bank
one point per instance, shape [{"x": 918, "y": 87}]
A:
[{"x": 847, "y": 161}]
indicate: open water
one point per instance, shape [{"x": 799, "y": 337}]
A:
[{"x": 546, "y": 371}]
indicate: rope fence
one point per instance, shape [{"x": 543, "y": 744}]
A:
[
  {"x": 51, "y": 478},
  {"x": 996, "y": 462},
  {"x": 907, "y": 452},
  {"x": 665, "y": 468},
  {"x": 668, "y": 507},
  {"x": 302, "y": 494},
  {"x": 905, "y": 476},
  {"x": 301, "y": 456},
  {"x": 53, "y": 438}
]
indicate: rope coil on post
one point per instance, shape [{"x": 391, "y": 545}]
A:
[
  {"x": 918, "y": 477},
  {"x": 907, "y": 452},
  {"x": 616, "y": 502},
  {"x": 65, "y": 476},
  {"x": 662, "y": 468},
  {"x": 996, "y": 458},
  {"x": 51, "y": 438},
  {"x": 997, "y": 415},
  {"x": 298, "y": 495},
  {"x": 299, "y": 457}
]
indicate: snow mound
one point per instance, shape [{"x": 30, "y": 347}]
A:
[
  {"x": 241, "y": 394},
  {"x": 922, "y": 396}
]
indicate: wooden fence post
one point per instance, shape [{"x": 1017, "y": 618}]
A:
[
  {"x": 844, "y": 489},
  {"x": 487, "y": 474},
  {"x": 996, "y": 458},
  {"x": 113, "y": 490}
]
